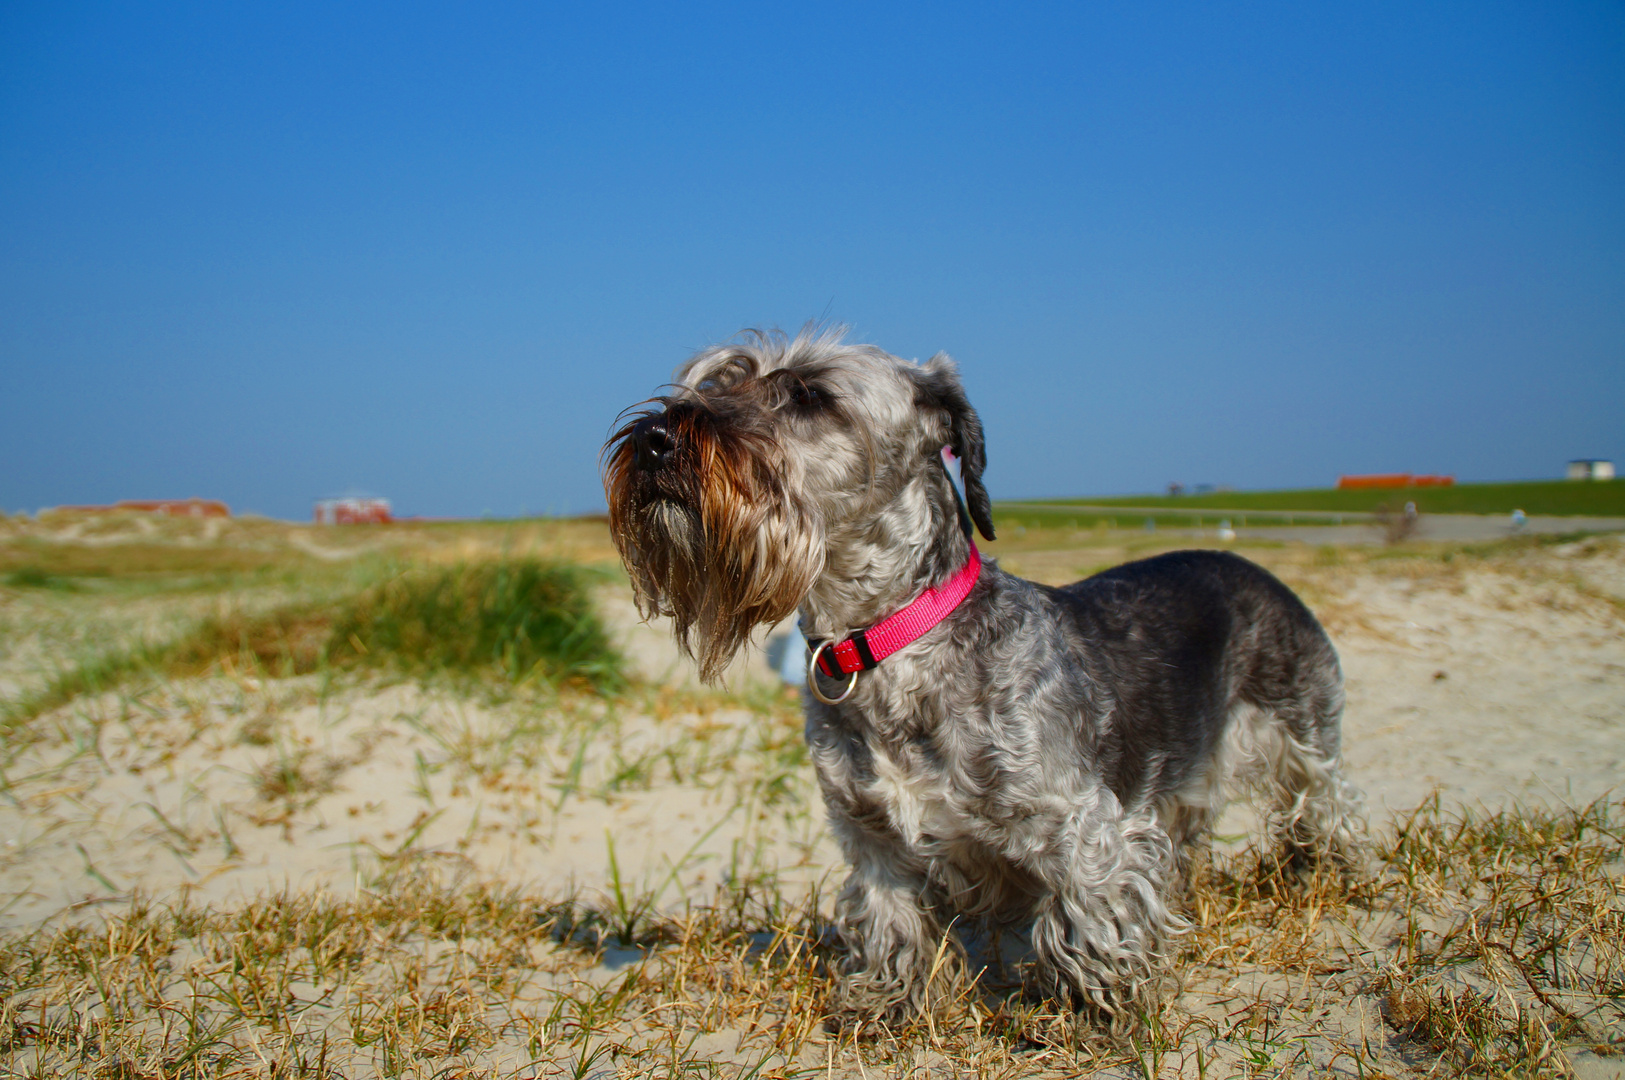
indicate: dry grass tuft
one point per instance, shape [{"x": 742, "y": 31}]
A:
[
  {"x": 1514, "y": 936},
  {"x": 1474, "y": 943},
  {"x": 1480, "y": 944}
]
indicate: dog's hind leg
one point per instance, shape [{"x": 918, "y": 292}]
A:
[{"x": 1314, "y": 812}]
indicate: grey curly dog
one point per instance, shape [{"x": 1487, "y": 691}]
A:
[{"x": 986, "y": 746}]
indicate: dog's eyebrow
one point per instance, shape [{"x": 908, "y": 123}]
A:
[
  {"x": 728, "y": 372},
  {"x": 812, "y": 379}
]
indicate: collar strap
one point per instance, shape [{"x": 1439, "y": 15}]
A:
[{"x": 867, "y": 648}]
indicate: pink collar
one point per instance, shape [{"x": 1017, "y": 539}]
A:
[{"x": 867, "y": 648}]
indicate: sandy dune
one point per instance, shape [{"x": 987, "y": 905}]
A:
[
  {"x": 1499, "y": 681},
  {"x": 1490, "y": 679}
]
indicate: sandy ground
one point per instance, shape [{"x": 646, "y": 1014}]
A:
[
  {"x": 1497, "y": 682},
  {"x": 1488, "y": 681}
]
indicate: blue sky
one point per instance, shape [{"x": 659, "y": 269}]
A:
[{"x": 269, "y": 253}]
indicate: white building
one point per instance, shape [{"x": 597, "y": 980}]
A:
[
  {"x": 1591, "y": 469},
  {"x": 354, "y": 510}
]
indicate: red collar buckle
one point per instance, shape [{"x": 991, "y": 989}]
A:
[{"x": 868, "y": 647}]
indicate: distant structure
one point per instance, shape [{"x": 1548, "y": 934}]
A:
[
  {"x": 193, "y": 507},
  {"x": 1395, "y": 480},
  {"x": 1591, "y": 469},
  {"x": 354, "y": 510}
]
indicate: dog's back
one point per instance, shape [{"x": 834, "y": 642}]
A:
[{"x": 1180, "y": 643}]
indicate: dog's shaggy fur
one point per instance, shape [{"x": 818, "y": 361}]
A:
[{"x": 1044, "y": 755}]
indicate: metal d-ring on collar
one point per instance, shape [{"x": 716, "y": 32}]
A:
[{"x": 812, "y": 677}]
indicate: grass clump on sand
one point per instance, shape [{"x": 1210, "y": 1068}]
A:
[
  {"x": 514, "y": 618},
  {"x": 510, "y": 621},
  {"x": 1480, "y": 944}
]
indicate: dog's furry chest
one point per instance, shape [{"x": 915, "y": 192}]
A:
[
  {"x": 920, "y": 792},
  {"x": 908, "y": 800},
  {"x": 924, "y": 808}
]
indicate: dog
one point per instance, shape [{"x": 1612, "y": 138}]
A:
[{"x": 986, "y": 746}]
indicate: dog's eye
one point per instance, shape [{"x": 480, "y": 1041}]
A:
[{"x": 805, "y": 396}]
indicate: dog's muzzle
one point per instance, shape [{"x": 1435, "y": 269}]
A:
[{"x": 654, "y": 442}]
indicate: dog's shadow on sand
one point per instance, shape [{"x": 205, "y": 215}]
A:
[{"x": 996, "y": 957}]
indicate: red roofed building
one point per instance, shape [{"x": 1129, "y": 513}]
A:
[{"x": 1395, "y": 480}]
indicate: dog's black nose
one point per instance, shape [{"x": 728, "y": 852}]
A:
[{"x": 655, "y": 442}]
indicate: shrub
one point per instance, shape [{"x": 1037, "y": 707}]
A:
[{"x": 517, "y": 618}]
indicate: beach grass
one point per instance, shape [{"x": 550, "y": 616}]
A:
[
  {"x": 1485, "y": 943},
  {"x": 1473, "y": 941},
  {"x": 518, "y": 619}
]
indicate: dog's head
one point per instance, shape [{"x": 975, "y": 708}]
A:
[{"x": 729, "y": 496}]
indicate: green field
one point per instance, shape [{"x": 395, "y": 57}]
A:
[
  {"x": 1008, "y": 518},
  {"x": 1562, "y": 498}
]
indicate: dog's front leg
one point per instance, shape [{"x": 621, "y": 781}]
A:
[
  {"x": 1100, "y": 930},
  {"x": 890, "y": 939}
]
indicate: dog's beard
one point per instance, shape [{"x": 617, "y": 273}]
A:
[{"x": 713, "y": 542}]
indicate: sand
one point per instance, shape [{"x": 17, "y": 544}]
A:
[{"x": 1486, "y": 680}]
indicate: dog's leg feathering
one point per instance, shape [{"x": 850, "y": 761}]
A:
[
  {"x": 1101, "y": 931},
  {"x": 1315, "y": 815},
  {"x": 890, "y": 943}
]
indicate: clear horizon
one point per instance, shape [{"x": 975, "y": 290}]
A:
[{"x": 265, "y": 255}]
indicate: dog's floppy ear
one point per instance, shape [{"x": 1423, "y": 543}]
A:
[{"x": 939, "y": 387}]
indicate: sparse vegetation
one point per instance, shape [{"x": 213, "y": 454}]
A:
[
  {"x": 423, "y": 934},
  {"x": 518, "y": 619},
  {"x": 1488, "y": 944},
  {"x": 1514, "y": 935}
]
